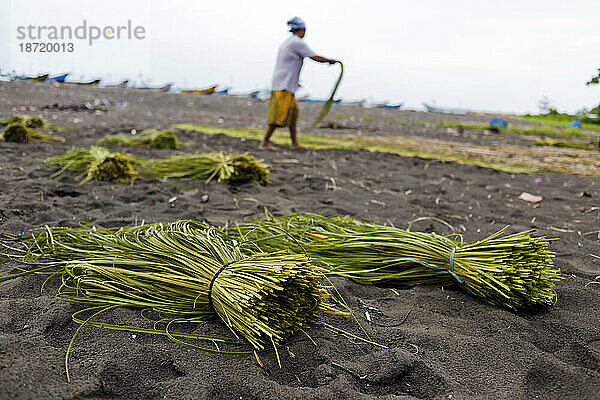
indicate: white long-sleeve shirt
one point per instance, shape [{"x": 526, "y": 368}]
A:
[{"x": 289, "y": 64}]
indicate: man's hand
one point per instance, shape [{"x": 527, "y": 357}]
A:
[{"x": 322, "y": 59}]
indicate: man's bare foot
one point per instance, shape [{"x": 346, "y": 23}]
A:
[
  {"x": 297, "y": 147},
  {"x": 267, "y": 146}
]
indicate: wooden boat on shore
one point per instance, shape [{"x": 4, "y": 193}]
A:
[
  {"x": 393, "y": 106},
  {"x": 209, "y": 90},
  {"x": 58, "y": 78},
  {"x": 373, "y": 105},
  {"x": 446, "y": 110},
  {"x": 39, "y": 78},
  {"x": 310, "y": 100},
  {"x": 164, "y": 88},
  {"x": 121, "y": 85},
  {"x": 95, "y": 82},
  {"x": 357, "y": 102},
  {"x": 262, "y": 95}
]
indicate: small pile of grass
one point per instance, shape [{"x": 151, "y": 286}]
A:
[
  {"x": 15, "y": 118},
  {"x": 103, "y": 164},
  {"x": 113, "y": 168},
  {"x": 226, "y": 168},
  {"x": 152, "y": 138},
  {"x": 33, "y": 122},
  {"x": 492, "y": 128},
  {"x": 17, "y": 132},
  {"x": 186, "y": 271},
  {"x": 96, "y": 163},
  {"x": 563, "y": 144},
  {"x": 515, "y": 271}
]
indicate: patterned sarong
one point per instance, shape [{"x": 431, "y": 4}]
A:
[{"x": 283, "y": 110}]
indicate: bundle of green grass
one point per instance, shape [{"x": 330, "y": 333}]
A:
[
  {"x": 231, "y": 169},
  {"x": 30, "y": 121},
  {"x": 186, "y": 271},
  {"x": 225, "y": 168},
  {"x": 152, "y": 138},
  {"x": 17, "y": 132},
  {"x": 96, "y": 163},
  {"x": 515, "y": 271},
  {"x": 246, "y": 168}
]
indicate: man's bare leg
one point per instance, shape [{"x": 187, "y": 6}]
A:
[
  {"x": 265, "y": 145},
  {"x": 294, "y": 136}
]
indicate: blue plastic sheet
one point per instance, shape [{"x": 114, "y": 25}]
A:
[{"x": 498, "y": 122}]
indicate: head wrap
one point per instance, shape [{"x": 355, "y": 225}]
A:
[{"x": 295, "y": 24}]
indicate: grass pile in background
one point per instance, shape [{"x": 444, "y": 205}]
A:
[
  {"x": 544, "y": 129},
  {"x": 96, "y": 163},
  {"x": 17, "y": 132},
  {"x": 515, "y": 271},
  {"x": 554, "y": 117},
  {"x": 504, "y": 157},
  {"x": 535, "y": 130},
  {"x": 34, "y": 122},
  {"x": 187, "y": 272},
  {"x": 564, "y": 144},
  {"x": 152, "y": 138},
  {"x": 102, "y": 164}
]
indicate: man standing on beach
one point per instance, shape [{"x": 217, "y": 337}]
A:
[{"x": 283, "y": 110}]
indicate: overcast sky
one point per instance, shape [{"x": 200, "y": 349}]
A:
[{"x": 498, "y": 57}]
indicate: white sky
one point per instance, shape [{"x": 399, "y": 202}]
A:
[{"x": 499, "y": 57}]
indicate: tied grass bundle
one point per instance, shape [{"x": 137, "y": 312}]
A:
[
  {"x": 33, "y": 122},
  {"x": 103, "y": 164},
  {"x": 97, "y": 163},
  {"x": 247, "y": 168},
  {"x": 225, "y": 168},
  {"x": 515, "y": 271},
  {"x": 17, "y": 132},
  {"x": 152, "y": 138},
  {"x": 187, "y": 272}
]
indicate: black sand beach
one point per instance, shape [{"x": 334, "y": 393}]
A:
[{"x": 451, "y": 346}]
